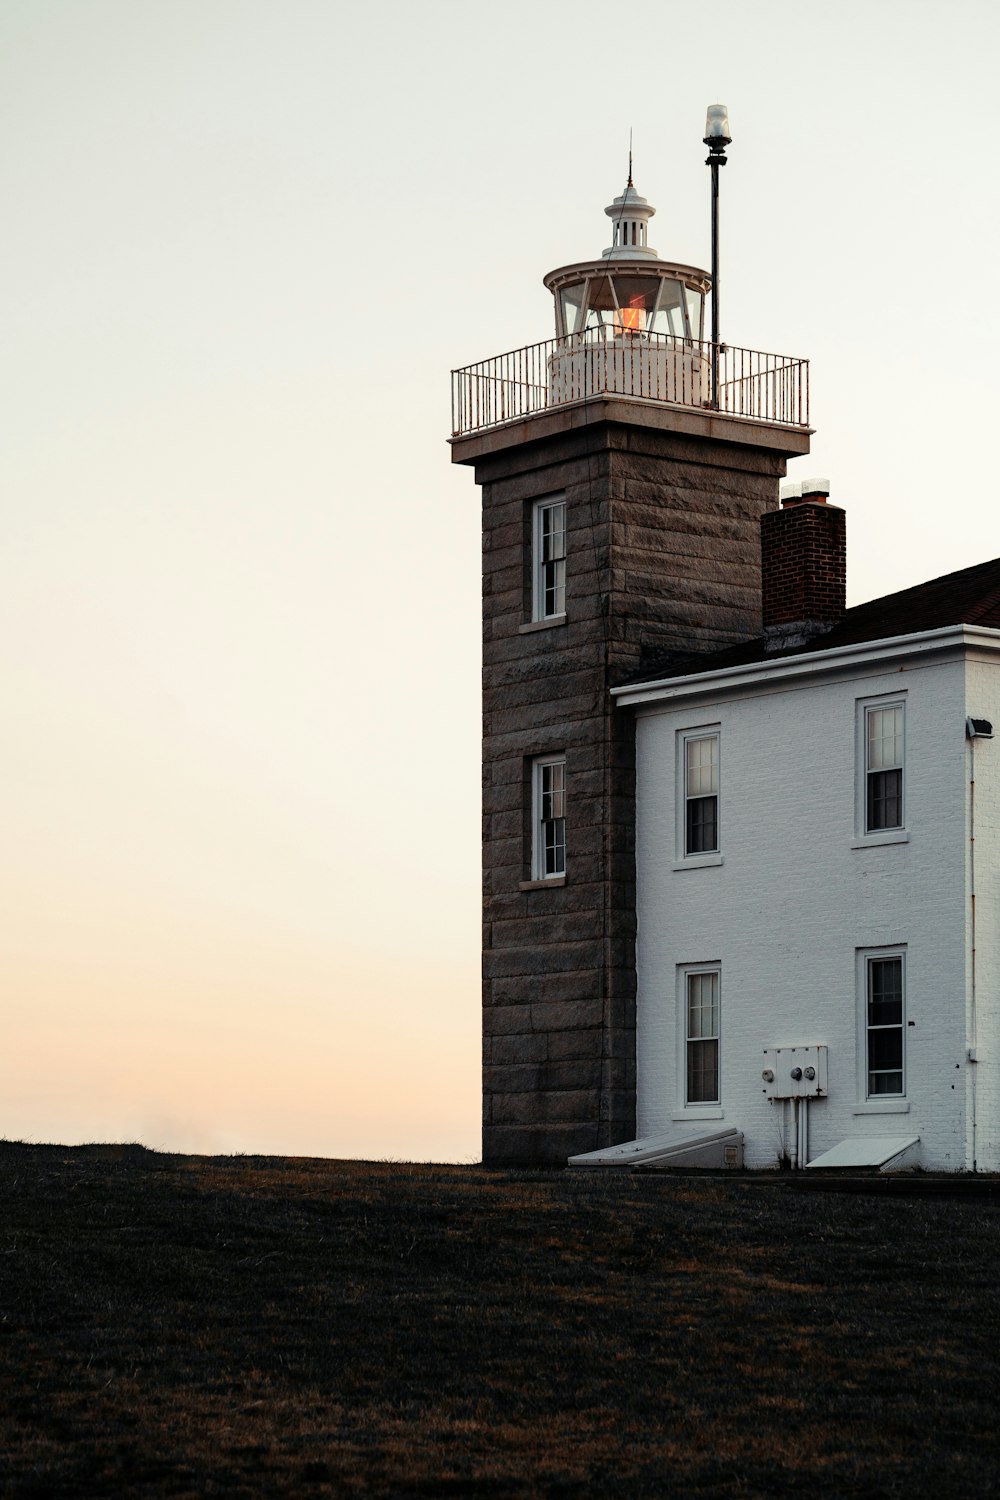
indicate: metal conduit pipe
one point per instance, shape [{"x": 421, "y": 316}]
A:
[
  {"x": 974, "y": 729},
  {"x": 795, "y": 1135}
]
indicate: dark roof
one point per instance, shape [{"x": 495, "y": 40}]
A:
[{"x": 969, "y": 597}]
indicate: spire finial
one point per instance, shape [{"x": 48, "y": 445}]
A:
[{"x": 630, "y": 182}]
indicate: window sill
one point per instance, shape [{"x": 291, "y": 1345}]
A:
[
  {"x": 875, "y": 840},
  {"x": 699, "y": 1112},
  {"x": 882, "y": 1107},
  {"x": 698, "y": 862},
  {"x": 530, "y": 625},
  {"x": 541, "y": 885}
]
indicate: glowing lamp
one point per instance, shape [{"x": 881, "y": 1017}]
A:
[{"x": 632, "y": 318}]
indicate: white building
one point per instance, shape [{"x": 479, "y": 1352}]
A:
[{"x": 817, "y": 848}]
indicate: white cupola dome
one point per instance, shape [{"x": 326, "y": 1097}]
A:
[{"x": 630, "y": 214}]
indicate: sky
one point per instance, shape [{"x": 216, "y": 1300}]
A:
[{"x": 244, "y": 243}]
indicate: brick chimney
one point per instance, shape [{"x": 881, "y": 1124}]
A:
[{"x": 803, "y": 550}]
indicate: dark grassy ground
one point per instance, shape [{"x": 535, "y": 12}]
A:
[{"x": 174, "y": 1326}]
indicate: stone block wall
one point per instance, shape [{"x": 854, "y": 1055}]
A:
[{"x": 663, "y": 553}]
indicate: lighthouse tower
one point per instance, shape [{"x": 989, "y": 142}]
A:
[{"x": 622, "y": 490}]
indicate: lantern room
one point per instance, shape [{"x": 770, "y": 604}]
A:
[
  {"x": 629, "y": 291},
  {"x": 631, "y": 325}
]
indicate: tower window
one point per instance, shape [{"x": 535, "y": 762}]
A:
[
  {"x": 548, "y": 547},
  {"x": 548, "y": 817}
]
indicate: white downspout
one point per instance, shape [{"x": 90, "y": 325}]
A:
[{"x": 971, "y": 1051}]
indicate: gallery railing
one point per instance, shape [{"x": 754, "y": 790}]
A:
[{"x": 605, "y": 361}]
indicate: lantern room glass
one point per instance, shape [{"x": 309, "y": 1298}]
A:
[
  {"x": 571, "y": 300},
  {"x": 601, "y": 306},
  {"x": 628, "y": 304},
  {"x": 696, "y": 313}
]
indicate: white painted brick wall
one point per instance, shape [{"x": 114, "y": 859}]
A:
[{"x": 792, "y": 903}]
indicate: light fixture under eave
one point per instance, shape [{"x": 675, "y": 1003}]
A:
[
  {"x": 978, "y": 729},
  {"x": 717, "y": 126}
]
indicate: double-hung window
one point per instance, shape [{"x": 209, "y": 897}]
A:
[
  {"x": 548, "y": 549},
  {"x": 883, "y": 737},
  {"x": 883, "y": 1026},
  {"x": 701, "y": 1036},
  {"x": 701, "y": 793},
  {"x": 548, "y": 801}
]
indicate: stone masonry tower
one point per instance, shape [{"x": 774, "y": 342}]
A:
[{"x": 621, "y": 517}]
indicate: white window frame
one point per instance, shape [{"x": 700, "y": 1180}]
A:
[
  {"x": 704, "y": 1109},
  {"x": 685, "y": 737},
  {"x": 868, "y": 1102},
  {"x": 538, "y": 820},
  {"x": 538, "y": 561},
  {"x": 898, "y": 832}
]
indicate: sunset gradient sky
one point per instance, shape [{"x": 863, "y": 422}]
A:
[{"x": 244, "y": 243}]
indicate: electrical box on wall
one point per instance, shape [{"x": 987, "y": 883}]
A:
[{"x": 794, "y": 1072}]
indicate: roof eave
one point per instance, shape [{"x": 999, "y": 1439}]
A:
[{"x": 807, "y": 664}]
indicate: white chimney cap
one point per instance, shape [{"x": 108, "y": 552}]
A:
[
  {"x": 790, "y": 489},
  {"x": 815, "y": 487}
]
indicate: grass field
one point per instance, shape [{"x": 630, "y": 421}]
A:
[{"x": 178, "y": 1326}]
